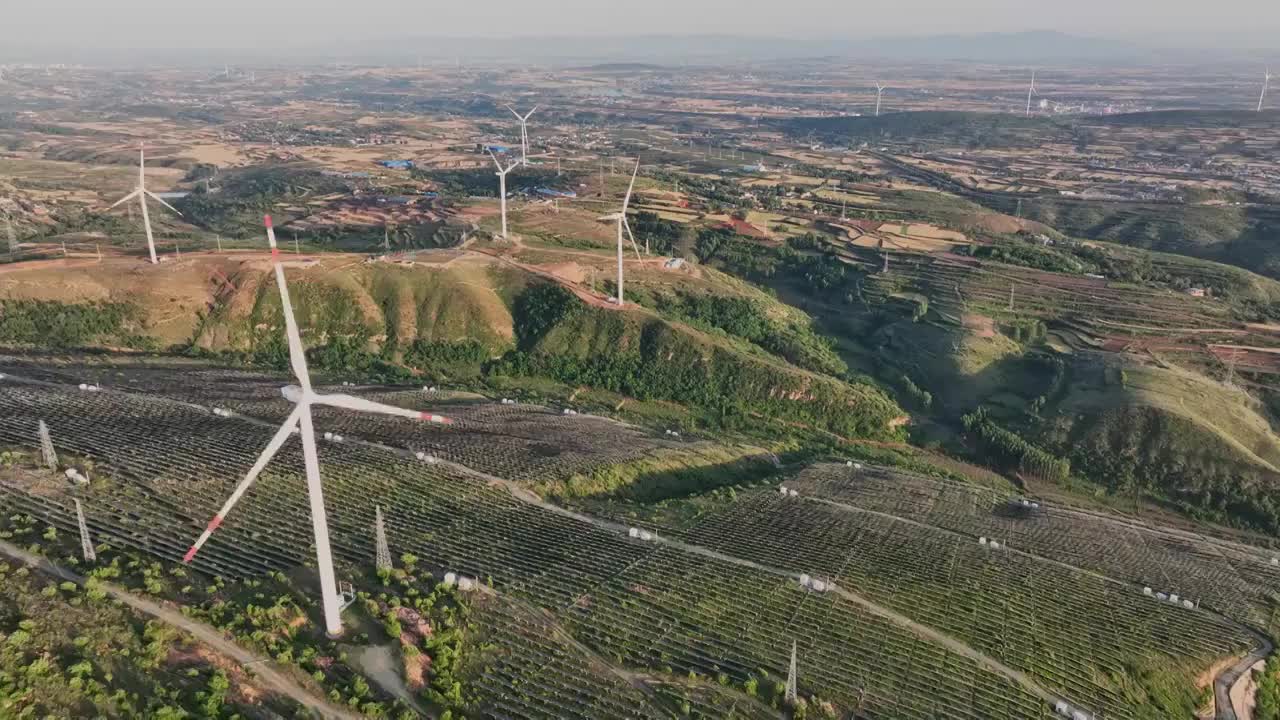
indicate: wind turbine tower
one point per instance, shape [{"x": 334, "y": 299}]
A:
[
  {"x": 382, "y": 556},
  {"x": 142, "y": 193},
  {"x": 1031, "y": 91},
  {"x": 502, "y": 188},
  {"x": 1266, "y": 82},
  {"x": 879, "y": 93},
  {"x": 621, "y": 218},
  {"x": 304, "y": 397},
  {"x": 524, "y": 132}
]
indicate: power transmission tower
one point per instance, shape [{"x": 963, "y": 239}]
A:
[
  {"x": 790, "y": 697},
  {"x": 47, "y": 455},
  {"x": 383, "y": 557},
  {"x": 86, "y": 545}
]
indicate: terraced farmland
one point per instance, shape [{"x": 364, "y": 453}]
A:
[
  {"x": 923, "y": 622},
  {"x": 517, "y": 442}
]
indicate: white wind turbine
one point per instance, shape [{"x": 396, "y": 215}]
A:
[
  {"x": 303, "y": 397},
  {"x": 879, "y": 92},
  {"x": 1031, "y": 91},
  {"x": 142, "y": 193},
  {"x": 1266, "y": 81},
  {"x": 524, "y": 132},
  {"x": 621, "y": 218},
  {"x": 502, "y": 188}
]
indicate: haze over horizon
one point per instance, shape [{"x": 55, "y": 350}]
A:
[{"x": 140, "y": 25}]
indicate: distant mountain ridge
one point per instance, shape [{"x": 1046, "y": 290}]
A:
[{"x": 1027, "y": 47}]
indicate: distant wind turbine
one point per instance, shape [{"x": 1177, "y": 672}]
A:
[
  {"x": 524, "y": 132},
  {"x": 303, "y": 397},
  {"x": 1266, "y": 81},
  {"x": 1031, "y": 91},
  {"x": 142, "y": 193},
  {"x": 879, "y": 92},
  {"x": 502, "y": 188},
  {"x": 621, "y": 218}
]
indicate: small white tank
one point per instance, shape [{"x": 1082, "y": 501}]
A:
[
  {"x": 793, "y": 493},
  {"x": 804, "y": 580},
  {"x": 646, "y": 535},
  {"x": 420, "y": 455},
  {"x": 782, "y": 489},
  {"x": 1188, "y": 605},
  {"x": 819, "y": 586},
  {"x": 83, "y": 386},
  {"x": 982, "y": 540},
  {"x": 1146, "y": 591},
  {"x": 466, "y": 584},
  {"x": 634, "y": 532},
  {"x": 1173, "y": 599},
  {"x": 849, "y": 464},
  {"x": 450, "y": 579},
  {"x": 993, "y": 544},
  {"x": 328, "y": 436}
]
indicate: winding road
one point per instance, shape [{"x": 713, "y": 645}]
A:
[{"x": 259, "y": 666}]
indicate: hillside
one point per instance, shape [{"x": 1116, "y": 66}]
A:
[
  {"x": 1122, "y": 380},
  {"x": 469, "y": 319}
]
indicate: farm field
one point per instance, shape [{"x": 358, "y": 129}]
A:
[
  {"x": 660, "y": 608},
  {"x": 1012, "y": 352}
]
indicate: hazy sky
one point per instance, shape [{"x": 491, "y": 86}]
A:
[{"x": 305, "y": 23}]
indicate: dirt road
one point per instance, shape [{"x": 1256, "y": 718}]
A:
[{"x": 260, "y": 667}]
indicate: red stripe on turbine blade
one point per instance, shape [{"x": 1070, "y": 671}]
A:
[
  {"x": 267, "y": 219},
  {"x": 190, "y": 554},
  {"x": 214, "y": 523},
  {"x": 436, "y": 419},
  {"x": 275, "y": 253}
]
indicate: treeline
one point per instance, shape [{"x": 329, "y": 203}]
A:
[
  {"x": 65, "y": 325},
  {"x": 1144, "y": 451},
  {"x": 481, "y": 182},
  {"x": 562, "y": 338},
  {"x": 749, "y": 320},
  {"x": 1012, "y": 452}
]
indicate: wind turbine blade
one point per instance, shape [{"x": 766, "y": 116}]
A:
[
  {"x": 125, "y": 199},
  {"x": 627, "y": 200},
  {"x": 297, "y": 355},
  {"x": 513, "y": 112},
  {"x": 158, "y": 199},
  {"x": 319, "y": 521},
  {"x": 273, "y": 447},
  {"x": 351, "y": 402},
  {"x": 531, "y": 112},
  {"x": 634, "y": 246},
  {"x": 495, "y": 158}
]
